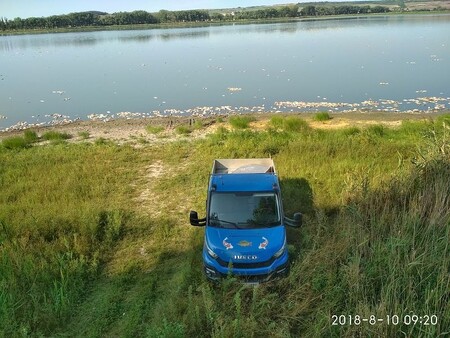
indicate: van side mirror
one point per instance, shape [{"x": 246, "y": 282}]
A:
[
  {"x": 295, "y": 222},
  {"x": 195, "y": 221},
  {"x": 298, "y": 218}
]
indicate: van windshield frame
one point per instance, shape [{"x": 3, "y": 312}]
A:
[{"x": 244, "y": 210}]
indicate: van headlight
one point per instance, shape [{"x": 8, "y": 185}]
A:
[
  {"x": 281, "y": 251},
  {"x": 210, "y": 252}
]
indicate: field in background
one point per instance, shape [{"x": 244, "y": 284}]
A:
[{"x": 95, "y": 241}]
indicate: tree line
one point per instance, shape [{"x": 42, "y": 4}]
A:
[
  {"x": 311, "y": 10},
  {"x": 86, "y": 19}
]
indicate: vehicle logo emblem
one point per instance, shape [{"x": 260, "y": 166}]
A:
[
  {"x": 226, "y": 244},
  {"x": 245, "y": 243},
  {"x": 264, "y": 244},
  {"x": 252, "y": 257}
]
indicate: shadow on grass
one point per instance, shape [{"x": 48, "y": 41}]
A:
[
  {"x": 151, "y": 288},
  {"x": 297, "y": 196}
]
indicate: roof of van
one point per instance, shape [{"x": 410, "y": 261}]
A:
[{"x": 244, "y": 182}]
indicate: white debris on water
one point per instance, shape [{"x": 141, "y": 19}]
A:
[
  {"x": 425, "y": 104},
  {"x": 128, "y": 115},
  {"x": 234, "y": 89},
  {"x": 309, "y": 105},
  {"x": 3, "y": 117}
]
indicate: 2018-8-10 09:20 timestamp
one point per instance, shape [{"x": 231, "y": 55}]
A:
[{"x": 409, "y": 319}]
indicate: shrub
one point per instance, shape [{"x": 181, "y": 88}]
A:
[
  {"x": 55, "y": 135},
  {"x": 322, "y": 116},
  {"x": 241, "y": 122},
  {"x": 15, "y": 142},
  {"x": 154, "y": 129}
]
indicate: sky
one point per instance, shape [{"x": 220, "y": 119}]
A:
[{"x": 38, "y": 8}]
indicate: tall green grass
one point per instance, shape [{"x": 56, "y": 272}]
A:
[
  {"x": 104, "y": 261},
  {"x": 60, "y": 214}
]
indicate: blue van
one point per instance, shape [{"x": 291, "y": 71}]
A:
[{"x": 245, "y": 233}]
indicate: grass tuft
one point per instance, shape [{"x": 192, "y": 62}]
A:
[
  {"x": 154, "y": 129},
  {"x": 241, "y": 122},
  {"x": 277, "y": 122},
  {"x": 15, "y": 142},
  {"x": 30, "y": 136},
  {"x": 322, "y": 116},
  {"x": 290, "y": 124},
  {"x": 377, "y": 130},
  {"x": 55, "y": 136},
  {"x": 183, "y": 130}
]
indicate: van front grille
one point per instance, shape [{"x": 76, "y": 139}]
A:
[{"x": 242, "y": 265}]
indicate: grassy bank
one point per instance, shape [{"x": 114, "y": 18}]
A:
[{"x": 95, "y": 241}]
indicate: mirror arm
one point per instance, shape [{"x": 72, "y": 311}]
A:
[
  {"x": 290, "y": 222},
  {"x": 201, "y": 222}
]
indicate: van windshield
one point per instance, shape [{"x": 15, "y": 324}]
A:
[{"x": 244, "y": 210}]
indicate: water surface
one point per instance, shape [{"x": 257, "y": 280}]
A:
[{"x": 393, "y": 63}]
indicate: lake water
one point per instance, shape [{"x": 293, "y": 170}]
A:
[{"x": 392, "y": 63}]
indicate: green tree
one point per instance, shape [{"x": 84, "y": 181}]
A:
[
  {"x": 217, "y": 16},
  {"x": 288, "y": 11},
  {"x": 166, "y": 16},
  {"x": 3, "y": 23},
  {"x": 308, "y": 11}
]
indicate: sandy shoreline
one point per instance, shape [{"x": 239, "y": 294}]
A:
[{"x": 128, "y": 130}]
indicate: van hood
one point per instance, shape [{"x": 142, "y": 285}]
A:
[{"x": 245, "y": 245}]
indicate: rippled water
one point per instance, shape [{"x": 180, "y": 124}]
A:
[{"x": 393, "y": 63}]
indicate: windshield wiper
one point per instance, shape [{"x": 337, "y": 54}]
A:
[
  {"x": 223, "y": 221},
  {"x": 263, "y": 224}
]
